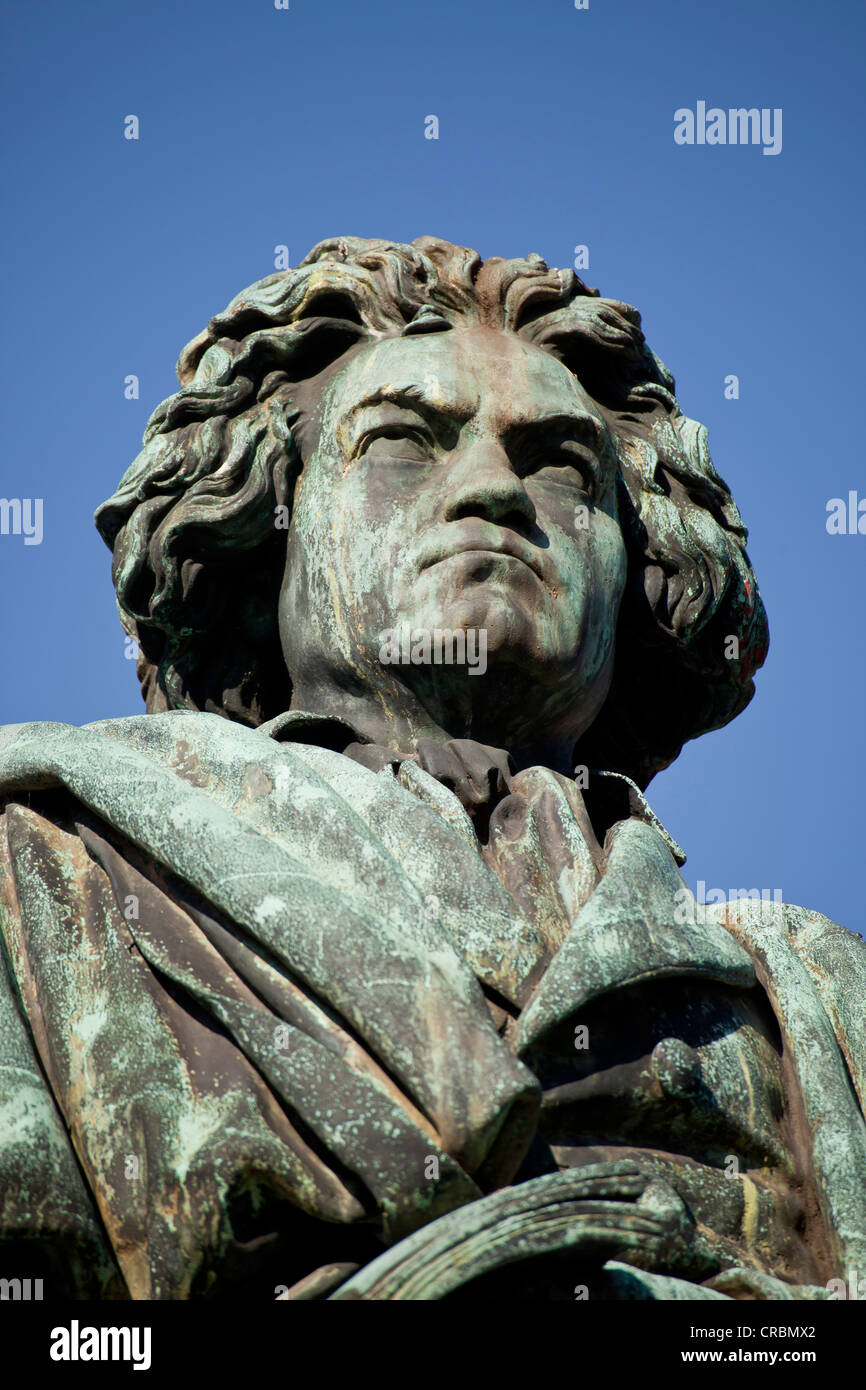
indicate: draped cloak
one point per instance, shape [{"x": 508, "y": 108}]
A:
[{"x": 263, "y": 1007}]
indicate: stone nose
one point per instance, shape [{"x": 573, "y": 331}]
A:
[{"x": 483, "y": 483}]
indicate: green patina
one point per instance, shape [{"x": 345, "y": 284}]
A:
[{"x": 367, "y": 977}]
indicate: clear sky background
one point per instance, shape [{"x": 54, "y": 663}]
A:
[{"x": 261, "y": 127}]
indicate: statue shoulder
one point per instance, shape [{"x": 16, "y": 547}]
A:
[
  {"x": 836, "y": 961},
  {"x": 116, "y": 756},
  {"x": 158, "y": 735},
  {"x": 816, "y": 939},
  {"x": 804, "y": 952}
]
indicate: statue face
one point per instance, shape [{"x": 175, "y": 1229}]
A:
[{"x": 457, "y": 480}]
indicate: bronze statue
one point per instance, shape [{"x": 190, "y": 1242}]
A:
[{"x": 357, "y": 968}]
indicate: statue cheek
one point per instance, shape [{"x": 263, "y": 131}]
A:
[
  {"x": 596, "y": 564},
  {"x": 610, "y": 559}
]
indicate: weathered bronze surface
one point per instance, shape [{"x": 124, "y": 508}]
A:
[{"x": 358, "y": 967}]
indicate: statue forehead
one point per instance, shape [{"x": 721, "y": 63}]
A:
[{"x": 460, "y": 371}]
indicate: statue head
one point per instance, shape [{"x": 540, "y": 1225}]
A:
[{"x": 393, "y": 444}]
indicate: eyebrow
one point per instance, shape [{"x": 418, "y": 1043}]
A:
[
  {"x": 582, "y": 426},
  {"x": 412, "y": 396}
]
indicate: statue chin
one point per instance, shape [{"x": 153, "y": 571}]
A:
[{"x": 512, "y": 620}]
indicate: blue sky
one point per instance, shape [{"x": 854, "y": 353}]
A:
[{"x": 261, "y": 127}]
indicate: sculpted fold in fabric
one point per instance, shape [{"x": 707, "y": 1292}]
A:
[{"x": 187, "y": 907}]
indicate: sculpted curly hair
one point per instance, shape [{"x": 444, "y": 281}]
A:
[{"x": 198, "y": 561}]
